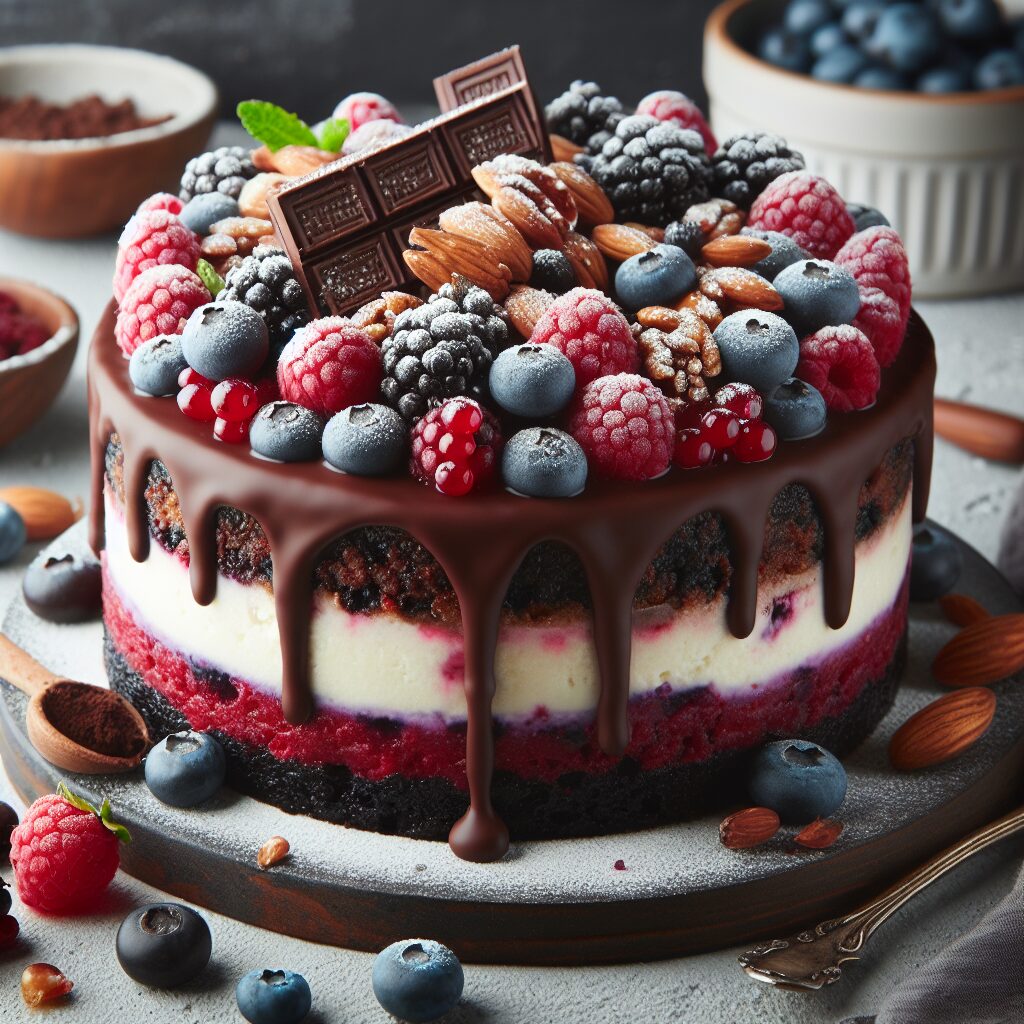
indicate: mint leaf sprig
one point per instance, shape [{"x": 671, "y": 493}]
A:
[{"x": 276, "y": 127}]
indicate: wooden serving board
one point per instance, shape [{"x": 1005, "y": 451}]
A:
[{"x": 554, "y": 902}]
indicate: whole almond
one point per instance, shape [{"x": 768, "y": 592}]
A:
[
  {"x": 942, "y": 730},
  {"x": 525, "y": 306},
  {"x": 707, "y": 309},
  {"x": 295, "y": 161},
  {"x": 46, "y": 513},
  {"x": 983, "y": 652},
  {"x": 735, "y": 251},
  {"x": 747, "y": 828},
  {"x": 962, "y": 610},
  {"x": 563, "y": 149},
  {"x": 819, "y": 835},
  {"x": 587, "y": 261},
  {"x": 252, "y": 200},
  {"x": 618, "y": 241},
  {"x": 274, "y": 850},
  {"x": 592, "y": 204},
  {"x": 650, "y": 230},
  {"x": 484, "y": 224},
  {"x": 744, "y": 288}
]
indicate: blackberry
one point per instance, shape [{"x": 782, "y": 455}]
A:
[
  {"x": 223, "y": 170},
  {"x": 688, "y": 235},
  {"x": 582, "y": 115},
  {"x": 745, "y": 165},
  {"x": 266, "y": 281},
  {"x": 442, "y": 349},
  {"x": 652, "y": 171}
]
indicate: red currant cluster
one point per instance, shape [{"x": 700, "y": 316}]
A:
[
  {"x": 229, "y": 405},
  {"x": 724, "y": 428},
  {"x": 456, "y": 447}
]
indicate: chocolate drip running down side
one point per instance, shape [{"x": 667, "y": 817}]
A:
[{"x": 615, "y": 529}]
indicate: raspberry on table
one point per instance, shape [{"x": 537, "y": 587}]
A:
[
  {"x": 455, "y": 447},
  {"x": 841, "y": 364},
  {"x": 808, "y": 209},
  {"x": 625, "y": 426},
  {"x": 159, "y": 301},
  {"x": 678, "y": 109},
  {"x": 585, "y": 325},
  {"x": 151, "y": 239},
  {"x": 877, "y": 259},
  {"x": 883, "y": 321},
  {"x": 329, "y": 365}
]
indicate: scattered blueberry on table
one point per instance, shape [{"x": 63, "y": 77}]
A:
[
  {"x": 417, "y": 980},
  {"x": 797, "y": 779},
  {"x": 12, "y": 532},
  {"x": 935, "y": 563},
  {"x": 163, "y": 945},
  {"x": 273, "y": 997}
]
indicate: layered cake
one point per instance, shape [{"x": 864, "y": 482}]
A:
[{"x": 460, "y": 491}]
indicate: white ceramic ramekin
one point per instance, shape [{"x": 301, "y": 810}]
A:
[{"x": 948, "y": 171}]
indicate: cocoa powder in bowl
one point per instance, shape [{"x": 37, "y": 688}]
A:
[
  {"x": 93, "y": 718},
  {"x": 29, "y": 117}
]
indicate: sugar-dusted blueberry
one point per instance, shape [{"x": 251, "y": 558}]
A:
[
  {"x": 655, "y": 278},
  {"x": 63, "y": 587},
  {"x": 12, "y": 532},
  {"x": 817, "y": 293},
  {"x": 552, "y": 271},
  {"x": 840, "y": 64},
  {"x": 533, "y": 381},
  {"x": 417, "y": 980},
  {"x": 784, "y": 252},
  {"x": 935, "y": 563},
  {"x": 784, "y": 49},
  {"x": 225, "y": 339},
  {"x": 5, "y": 896},
  {"x": 866, "y": 216},
  {"x": 906, "y": 37},
  {"x": 797, "y": 779},
  {"x": 969, "y": 19},
  {"x": 201, "y": 212},
  {"x": 757, "y": 348},
  {"x": 1000, "y": 69},
  {"x": 877, "y": 76},
  {"x": 185, "y": 768},
  {"x": 286, "y": 432},
  {"x": 154, "y": 366},
  {"x": 805, "y": 16},
  {"x": 860, "y": 18},
  {"x": 543, "y": 462},
  {"x": 688, "y": 235},
  {"x": 367, "y": 440},
  {"x": 826, "y": 38},
  {"x": 796, "y": 410},
  {"x": 163, "y": 945},
  {"x": 273, "y": 997}
]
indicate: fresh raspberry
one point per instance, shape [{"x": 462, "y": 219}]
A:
[
  {"x": 882, "y": 320},
  {"x": 64, "y": 853},
  {"x": 876, "y": 259},
  {"x": 360, "y": 107},
  {"x": 678, "y": 109},
  {"x": 841, "y": 364},
  {"x": 456, "y": 447},
  {"x": 152, "y": 239},
  {"x": 808, "y": 209},
  {"x": 589, "y": 328},
  {"x": 624, "y": 424},
  {"x": 159, "y": 301},
  {"x": 329, "y": 365},
  {"x": 161, "y": 201}
]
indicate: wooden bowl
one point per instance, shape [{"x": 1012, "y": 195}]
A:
[
  {"x": 30, "y": 383},
  {"x": 76, "y": 187}
]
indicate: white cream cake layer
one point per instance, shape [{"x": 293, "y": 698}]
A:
[{"x": 383, "y": 665}]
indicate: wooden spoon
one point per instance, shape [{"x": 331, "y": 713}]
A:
[{"x": 63, "y": 717}]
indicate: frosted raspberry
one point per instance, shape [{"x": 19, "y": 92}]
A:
[
  {"x": 360, "y": 107},
  {"x": 152, "y": 239},
  {"x": 808, "y": 209},
  {"x": 877, "y": 259},
  {"x": 883, "y": 321},
  {"x": 159, "y": 301},
  {"x": 625, "y": 426},
  {"x": 63, "y": 855},
  {"x": 329, "y": 365},
  {"x": 161, "y": 201},
  {"x": 589, "y": 328},
  {"x": 841, "y": 364},
  {"x": 678, "y": 109},
  {"x": 456, "y": 447}
]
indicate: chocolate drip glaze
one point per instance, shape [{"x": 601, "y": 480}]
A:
[{"x": 614, "y": 528}]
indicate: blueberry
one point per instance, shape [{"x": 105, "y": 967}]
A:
[
  {"x": 875, "y": 76},
  {"x": 12, "y": 532},
  {"x": 5, "y": 897},
  {"x": 969, "y": 19},
  {"x": 552, "y": 271},
  {"x": 417, "y": 980},
  {"x": 655, "y": 278},
  {"x": 935, "y": 563},
  {"x": 859, "y": 19},
  {"x": 543, "y": 462},
  {"x": 367, "y": 440},
  {"x": 286, "y": 432},
  {"x": 841, "y": 64},
  {"x": 798, "y": 780},
  {"x": 906, "y": 37},
  {"x": 225, "y": 339},
  {"x": 784, "y": 50},
  {"x": 155, "y": 364},
  {"x": 8, "y": 823},
  {"x": 185, "y": 768},
  {"x": 757, "y": 348},
  {"x": 795, "y": 410},
  {"x": 201, "y": 212},
  {"x": 534, "y": 381},
  {"x": 866, "y": 216},
  {"x": 803, "y": 17},
  {"x": 817, "y": 293},
  {"x": 944, "y": 80},
  {"x": 163, "y": 945},
  {"x": 826, "y": 38},
  {"x": 784, "y": 252},
  {"x": 273, "y": 997},
  {"x": 1000, "y": 69},
  {"x": 63, "y": 588}
]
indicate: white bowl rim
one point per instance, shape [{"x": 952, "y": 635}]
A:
[
  {"x": 64, "y": 334},
  {"x": 177, "y": 122},
  {"x": 716, "y": 26}
]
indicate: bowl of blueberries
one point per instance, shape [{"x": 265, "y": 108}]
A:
[{"x": 915, "y": 107}]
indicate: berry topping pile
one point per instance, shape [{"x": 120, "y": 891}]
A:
[
  {"x": 20, "y": 332},
  {"x": 651, "y": 302}
]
